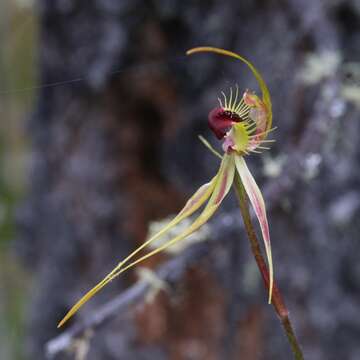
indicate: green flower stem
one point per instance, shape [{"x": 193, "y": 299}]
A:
[{"x": 277, "y": 300}]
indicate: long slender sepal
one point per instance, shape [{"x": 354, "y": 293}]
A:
[
  {"x": 264, "y": 89},
  {"x": 193, "y": 204},
  {"x": 258, "y": 204},
  {"x": 223, "y": 185},
  {"x": 215, "y": 186}
]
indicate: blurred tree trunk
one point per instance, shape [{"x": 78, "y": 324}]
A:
[{"x": 118, "y": 149}]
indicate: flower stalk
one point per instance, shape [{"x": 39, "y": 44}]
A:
[{"x": 277, "y": 299}]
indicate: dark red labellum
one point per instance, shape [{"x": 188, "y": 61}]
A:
[{"x": 220, "y": 121}]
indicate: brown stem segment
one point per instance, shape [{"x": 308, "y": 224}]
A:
[{"x": 276, "y": 300}]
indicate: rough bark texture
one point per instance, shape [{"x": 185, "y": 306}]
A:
[{"x": 117, "y": 150}]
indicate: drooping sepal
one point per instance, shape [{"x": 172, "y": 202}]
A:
[
  {"x": 258, "y": 204},
  {"x": 214, "y": 192}
]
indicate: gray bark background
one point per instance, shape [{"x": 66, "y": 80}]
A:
[{"x": 117, "y": 150}]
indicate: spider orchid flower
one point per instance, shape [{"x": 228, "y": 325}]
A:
[{"x": 242, "y": 123}]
